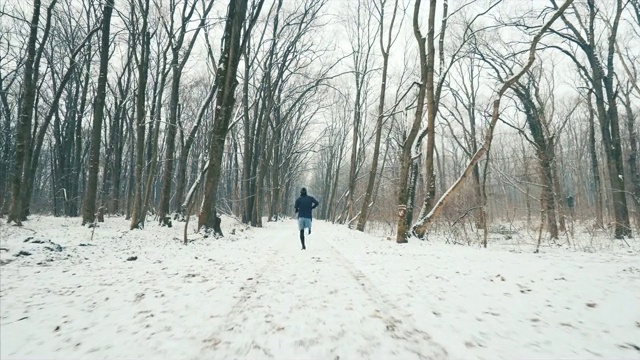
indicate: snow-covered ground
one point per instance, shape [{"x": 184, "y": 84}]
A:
[{"x": 254, "y": 294}]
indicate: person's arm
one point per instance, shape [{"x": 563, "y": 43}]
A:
[
  {"x": 297, "y": 205},
  {"x": 315, "y": 203}
]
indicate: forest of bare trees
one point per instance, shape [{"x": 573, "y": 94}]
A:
[{"x": 412, "y": 116}]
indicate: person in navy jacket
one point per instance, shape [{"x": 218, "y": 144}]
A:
[{"x": 304, "y": 204}]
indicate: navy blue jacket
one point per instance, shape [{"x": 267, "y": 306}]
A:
[{"x": 304, "y": 205}]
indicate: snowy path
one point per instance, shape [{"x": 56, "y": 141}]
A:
[
  {"x": 256, "y": 295},
  {"x": 314, "y": 303}
]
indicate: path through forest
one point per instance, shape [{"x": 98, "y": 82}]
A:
[
  {"x": 256, "y": 295},
  {"x": 314, "y": 303}
]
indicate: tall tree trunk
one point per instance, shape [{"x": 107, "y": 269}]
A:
[
  {"x": 633, "y": 155},
  {"x": 31, "y": 146},
  {"x": 167, "y": 176},
  {"x": 5, "y": 155},
  {"x": 249, "y": 133},
  {"x": 368, "y": 196},
  {"x": 353, "y": 164},
  {"x": 430, "y": 179},
  {"x": 24, "y": 124},
  {"x": 225, "y": 99},
  {"x": 114, "y": 206},
  {"x": 616, "y": 172},
  {"x": 414, "y": 174},
  {"x": 596, "y": 187},
  {"x": 480, "y": 220},
  {"x": 143, "y": 73},
  {"x": 132, "y": 167},
  {"x": 557, "y": 188},
  {"x": 613, "y": 152},
  {"x": 547, "y": 195},
  {"x": 179, "y": 60},
  {"x": 89, "y": 210},
  {"x": 275, "y": 208},
  {"x": 408, "y": 146},
  {"x": 601, "y": 76},
  {"x": 334, "y": 187},
  {"x": 432, "y": 109}
]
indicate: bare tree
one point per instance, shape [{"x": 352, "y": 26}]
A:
[
  {"x": 632, "y": 160},
  {"x": 57, "y": 88},
  {"x": 179, "y": 57},
  {"x": 331, "y": 155},
  {"x": 362, "y": 40},
  {"x": 186, "y": 145},
  {"x": 600, "y": 72},
  {"x": 142, "y": 40},
  {"x": 464, "y": 87},
  {"x": 232, "y": 49},
  {"x": 595, "y": 168},
  {"x": 495, "y": 116},
  {"x": 539, "y": 114},
  {"x": 434, "y": 85},
  {"x": 89, "y": 209},
  {"x": 409, "y": 145},
  {"x": 8, "y": 78},
  {"x": 23, "y": 138},
  {"x": 384, "y": 49}
]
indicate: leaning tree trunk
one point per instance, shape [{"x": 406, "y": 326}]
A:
[
  {"x": 89, "y": 210},
  {"x": 225, "y": 99}
]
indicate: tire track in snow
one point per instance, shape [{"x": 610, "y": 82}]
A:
[
  {"x": 316, "y": 304},
  {"x": 229, "y": 320},
  {"x": 398, "y": 322}
]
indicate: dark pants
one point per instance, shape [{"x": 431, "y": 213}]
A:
[{"x": 302, "y": 239}]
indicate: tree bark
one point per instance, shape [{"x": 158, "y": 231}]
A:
[
  {"x": 385, "y": 49},
  {"x": 89, "y": 210},
  {"x": 179, "y": 60},
  {"x": 430, "y": 179},
  {"x": 225, "y": 99},
  {"x": 141, "y": 91},
  {"x": 408, "y": 146},
  {"x": 24, "y": 125},
  {"x": 596, "y": 187},
  {"x": 633, "y": 155}
]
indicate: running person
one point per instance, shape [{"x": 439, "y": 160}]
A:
[{"x": 304, "y": 205}]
